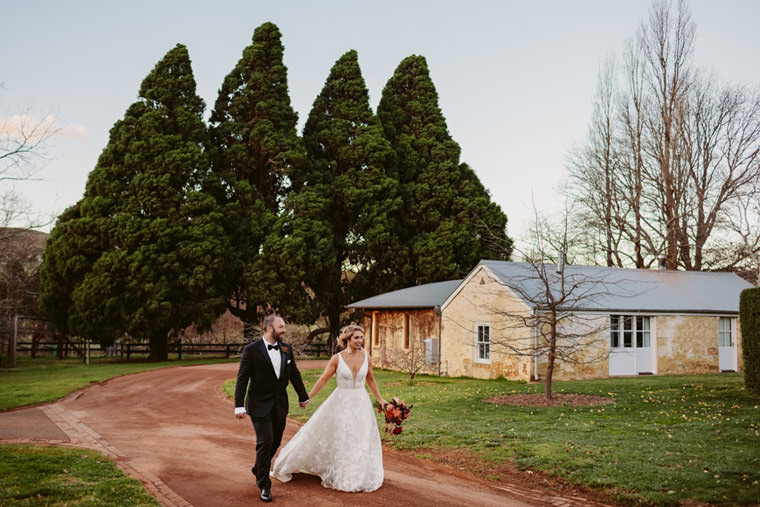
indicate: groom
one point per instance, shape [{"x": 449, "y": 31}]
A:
[{"x": 266, "y": 367}]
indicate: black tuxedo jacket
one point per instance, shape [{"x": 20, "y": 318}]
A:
[{"x": 265, "y": 392}]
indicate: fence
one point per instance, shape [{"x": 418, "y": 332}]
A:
[
  {"x": 33, "y": 348},
  {"x": 126, "y": 350}
]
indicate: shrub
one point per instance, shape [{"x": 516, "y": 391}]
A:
[{"x": 749, "y": 316}]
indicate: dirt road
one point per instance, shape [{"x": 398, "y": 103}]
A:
[{"x": 174, "y": 430}]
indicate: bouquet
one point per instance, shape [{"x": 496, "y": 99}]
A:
[{"x": 396, "y": 412}]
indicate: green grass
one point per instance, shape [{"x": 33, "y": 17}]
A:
[
  {"x": 665, "y": 441},
  {"x": 47, "y": 379},
  {"x": 57, "y": 476}
]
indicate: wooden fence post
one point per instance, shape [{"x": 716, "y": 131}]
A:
[{"x": 12, "y": 350}]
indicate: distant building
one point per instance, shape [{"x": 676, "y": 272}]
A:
[{"x": 654, "y": 322}]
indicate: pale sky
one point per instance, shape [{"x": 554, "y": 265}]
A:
[{"x": 515, "y": 79}]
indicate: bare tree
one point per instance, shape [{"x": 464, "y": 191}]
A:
[
  {"x": 595, "y": 166},
  {"x": 24, "y": 139},
  {"x": 636, "y": 224},
  {"x": 743, "y": 253},
  {"x": 23, "y": 143},
  {"x": 667, "y": 48},
  {"x": 411, "y": 360},
  {"x": 685, "y": 151},
  {"x": 558, "y": 326},
  {"x": 723, "y": 148}
]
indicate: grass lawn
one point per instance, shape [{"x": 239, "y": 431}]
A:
[
  {"x": 47, "y": 379},
  {"x": 57, "y": 476},
  {"x": 665, "y": 441},
  {"x": 40, "y": 475}
]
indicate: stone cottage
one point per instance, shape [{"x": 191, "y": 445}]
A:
[{"x": 617, "y": 322}]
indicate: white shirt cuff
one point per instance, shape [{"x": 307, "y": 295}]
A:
[{"x": 239, "y": 410}]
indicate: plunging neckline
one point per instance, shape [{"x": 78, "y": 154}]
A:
[{"x": 350, "y": 369}]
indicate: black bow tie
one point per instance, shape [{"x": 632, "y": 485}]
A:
[{"x": 275, "y": 347}]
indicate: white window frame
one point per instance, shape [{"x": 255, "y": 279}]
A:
[
  {"x": 642, "y": 331},
  {"x": 725, "y": 330},
  {"x": 482, "y": 345},
  {"x": 630, "y": 331}
]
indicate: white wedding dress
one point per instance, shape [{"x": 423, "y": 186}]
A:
[{"x": 340, "y": 442}]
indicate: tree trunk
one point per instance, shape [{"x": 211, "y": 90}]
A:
[
  {"x": 249, "y": 332},
  {"x": 334, "y": 318},
  {"x": 159, "y": 346},
  {"x": 551, "y": 356},
  {"x": 549, "y": 373},
  {"x": 250, "y": 327}
]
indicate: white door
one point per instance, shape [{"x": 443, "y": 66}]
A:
[
  {"x": 622, "y": 350},
  {"x": 644, "y": 362},
  {"x": 622, "y": 362},
  {"x": 631, "y": 350},
  {"x": 727, "y": 352}
]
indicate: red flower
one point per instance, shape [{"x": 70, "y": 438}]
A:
[{"x": 395, "y": 412}]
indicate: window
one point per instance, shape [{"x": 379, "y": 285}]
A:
[
  {"x": 642, "y": 332},
  {"x": 375, "y": 335},
  {"x": 625, "y": 330},
  {"x": 724, "y": 332},
  {"x": 406, "y": 331},
  {"x": 483, "y": 345}
]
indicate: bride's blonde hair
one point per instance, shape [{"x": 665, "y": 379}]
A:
[{"x": 347, "y": 332}]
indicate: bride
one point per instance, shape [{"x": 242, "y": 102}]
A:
[{"x": 340, "y": 442}]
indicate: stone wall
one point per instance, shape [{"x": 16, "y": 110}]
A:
[
  {"x": 689, "y": 344},
  {"x": 385, "y": 338},
  {"x": 484, "y": 301},
  {"x": 592, "y": 357}
]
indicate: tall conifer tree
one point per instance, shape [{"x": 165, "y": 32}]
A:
[
  {"x": 151, "y": 231},
  {"x": 343, "y": 198},
  {"x": 447, "y": 221},
  {"x": 255, "y": 145},
  {"x": 73, "y": 246}
]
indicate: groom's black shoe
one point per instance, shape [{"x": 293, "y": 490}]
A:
[{"x": 266, "y": 495}]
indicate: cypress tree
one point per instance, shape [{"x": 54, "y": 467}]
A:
[
  {"x": 343, "y": 196},
  {"x": 152, "y": 230},
  {"x": 254, "y": 145},
  {"x": 70, "y": 251},
  {"x": 447, "y": 221}
]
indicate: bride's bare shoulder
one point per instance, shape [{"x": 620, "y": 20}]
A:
[{"x": 332, "y": 364}]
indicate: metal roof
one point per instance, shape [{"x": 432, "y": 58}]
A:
[
  {"x": 422, "y": 296},
  {"x": 627, "y": 290},
  {"x": 595, "y": 288}
]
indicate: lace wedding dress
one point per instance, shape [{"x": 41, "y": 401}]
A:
[{"x": 340, "y": 442}]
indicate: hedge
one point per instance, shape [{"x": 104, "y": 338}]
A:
[{"x": 749, "y": 316}]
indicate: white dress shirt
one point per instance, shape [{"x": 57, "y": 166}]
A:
[{"x": 274, "y": 355}]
